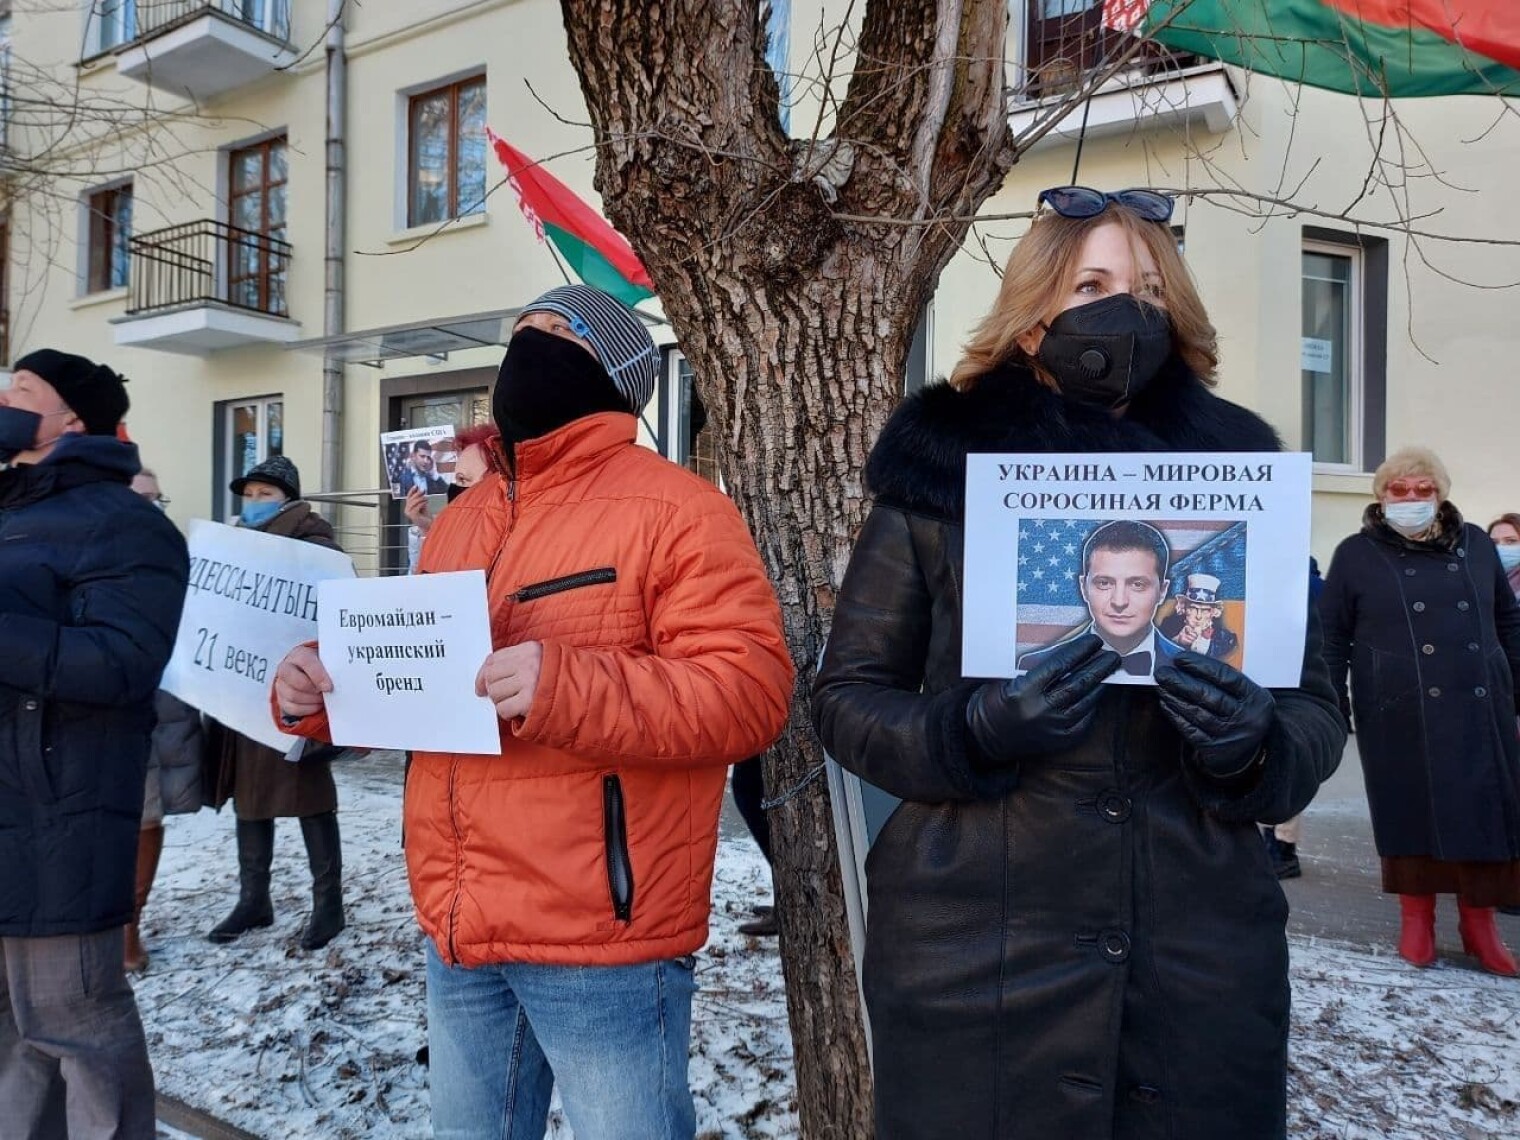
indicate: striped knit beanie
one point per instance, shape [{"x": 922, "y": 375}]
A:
[{"x": 622, "y": 343}]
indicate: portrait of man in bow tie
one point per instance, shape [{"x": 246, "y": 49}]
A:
[{"x": 1123, "y": 582}]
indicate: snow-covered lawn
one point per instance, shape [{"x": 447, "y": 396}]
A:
[{"x": 286, "y": 1043}]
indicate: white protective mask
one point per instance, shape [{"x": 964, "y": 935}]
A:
[
  {"x": 1410, "y": 518},
  {"x": 1509, "y": 557}
]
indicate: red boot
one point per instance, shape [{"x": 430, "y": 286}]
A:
[
  {"x": 1480, "y": 938},
  {"x": 1417, "y": 934}
]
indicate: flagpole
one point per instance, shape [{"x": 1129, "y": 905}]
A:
[{"x": 554, "y": 253}]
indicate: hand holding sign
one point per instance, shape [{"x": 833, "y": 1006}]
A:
[
  {"x": 300, "y": 681},
  {"x": 400, "y": 658},
  {"x": 510, "y": 678}
]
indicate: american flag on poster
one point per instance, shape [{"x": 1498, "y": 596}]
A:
[{"x": 1050, "y": 560}]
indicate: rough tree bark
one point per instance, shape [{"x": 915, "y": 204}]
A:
[{"x": 797, "y": 323}]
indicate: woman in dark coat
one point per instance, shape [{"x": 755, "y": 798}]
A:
[
  {"x": 1417, "y": 608},
  {"x": 1073, "y": 930},
  {"x": 262, "y": 784}
]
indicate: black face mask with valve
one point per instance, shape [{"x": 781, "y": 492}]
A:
[
  {"x": 18, "y": 432},
  {"x": 1106, "y": 353}
]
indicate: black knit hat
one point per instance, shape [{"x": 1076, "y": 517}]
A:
[
  {"x": 92, "y": 391},
  {"x": 277, "y": 471}
]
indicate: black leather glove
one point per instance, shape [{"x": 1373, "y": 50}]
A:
[
  {"x": 1048, "y": 709},
  {"x": 1223, "y": 714}
]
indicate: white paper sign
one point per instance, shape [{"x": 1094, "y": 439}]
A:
[
  {"x": 1155, "y": 552},
  {"x": 429, "y": 468},
  {"x": 1317, "y": 355},
  {"x": 252, "y": 598},
  {"x": 403, "y": 654}
]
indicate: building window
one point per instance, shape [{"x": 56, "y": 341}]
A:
[
  {"x": 256, "y": 208},
  {"x": 110, "y": 220},
  {"x": 1064, "y": 40},
  {"x": 446, "y": 152},
  {"x": 115, "y": 23},
  {"x": 1343, "y": 351},
  {"x": 252, "y": 430}
]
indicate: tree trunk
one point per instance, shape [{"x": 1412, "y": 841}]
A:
[{"x": 797, "y": 323}]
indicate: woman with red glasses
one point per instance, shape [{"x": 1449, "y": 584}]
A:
[{"x": 1418, "y": 609}]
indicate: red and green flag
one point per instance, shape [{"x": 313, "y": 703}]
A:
[
  {"x": 1372, "y": 48},
  {"x": 598, "y": 254}
]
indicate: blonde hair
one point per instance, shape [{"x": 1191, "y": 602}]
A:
[
  {"x": 1411, "y": 462},
  {"x": 1039, "y": 274}
]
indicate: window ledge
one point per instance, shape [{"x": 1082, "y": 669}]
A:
[
  {"x": 104, "y": 297},
  {"x": 1201, "y": 96},
  {"x": 413, "y": 234},
  {"x": 1342, "y": 481}
]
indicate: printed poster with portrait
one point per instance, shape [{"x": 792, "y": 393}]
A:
[
  {"x": 1155, "y": 553},
  {"x": 418, "y": 458}
]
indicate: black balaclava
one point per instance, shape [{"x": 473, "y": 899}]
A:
[{"x": 545, "y": 382}]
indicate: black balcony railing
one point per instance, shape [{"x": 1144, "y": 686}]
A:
[
  {"x": 272, "y": 17},
  {"x": 1064, "y": 48},
  {"x": 208, "y": 263}
]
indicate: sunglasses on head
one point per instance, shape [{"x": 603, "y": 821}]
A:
[
  {"x": 1085, "y": 202},
  {"x": 1420, "y": 487}
]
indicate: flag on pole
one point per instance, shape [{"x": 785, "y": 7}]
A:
[
  {"x": 1372, "y": 48},
  {"x": 597, "y": 253}
]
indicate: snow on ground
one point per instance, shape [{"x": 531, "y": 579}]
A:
[
  {"x": 288, "y": 1043},
  {"x": 285, "y": 1043}
]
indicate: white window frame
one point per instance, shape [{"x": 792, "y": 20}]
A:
[
  {"x": 1356, "y": 387},
  {"x": 227, "y": 410},
  {"x": 99, "y": 23}
]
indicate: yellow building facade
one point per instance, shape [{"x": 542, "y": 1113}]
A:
[{"x": 168, "y": 207}]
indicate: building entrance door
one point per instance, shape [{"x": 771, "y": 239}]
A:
[{"x": 457, "y": 408}]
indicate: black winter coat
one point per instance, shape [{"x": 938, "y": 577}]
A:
[
  {"x": 92, "y": 579},
  {"x": 1090, "y": 944},
  {"x": 1431, "y": 638}
]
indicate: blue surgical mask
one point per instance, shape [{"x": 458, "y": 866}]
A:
[
  {"x": 1410, "y": 518},
  {"x": 260, "y": 512},
  {"x": 1509, "y": 557},
  {"x": 18, "y": 432}
]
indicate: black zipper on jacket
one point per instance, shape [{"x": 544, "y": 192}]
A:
[
  {"x": 598, "y": 577},
  {"x": 458, "y": 859},
  {"x": 619, "y": 867}
]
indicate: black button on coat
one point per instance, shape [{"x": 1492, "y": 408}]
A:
[
  {"x": 1432, "y": 657},
  {"x": 1088, "y": 944}
]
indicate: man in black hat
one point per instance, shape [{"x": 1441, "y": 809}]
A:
[{"x": 92, "y": 580}]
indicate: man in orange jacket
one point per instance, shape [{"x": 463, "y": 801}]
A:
[{"x": 564, "y": 885}]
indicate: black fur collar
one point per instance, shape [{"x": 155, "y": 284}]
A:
[{"x": 919, "y": 463}]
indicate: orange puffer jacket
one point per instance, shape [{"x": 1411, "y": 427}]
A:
[{"x": 590, "y": 839}]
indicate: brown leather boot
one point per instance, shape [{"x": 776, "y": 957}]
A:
[{"x": 150, "y": 845}]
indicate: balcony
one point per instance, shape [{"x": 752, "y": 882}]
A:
[
  {"x": 202, "y": 50},
  {"x": 203, "y": 286},
  {"x": 1065, "y": 42}
]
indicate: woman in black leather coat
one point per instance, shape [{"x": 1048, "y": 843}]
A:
[{"x": 1073, "y": 928}]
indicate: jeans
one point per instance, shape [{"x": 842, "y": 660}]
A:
[
  {"x": 73, "y": 1060},
  {"x": 615, "y": 1038}
]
